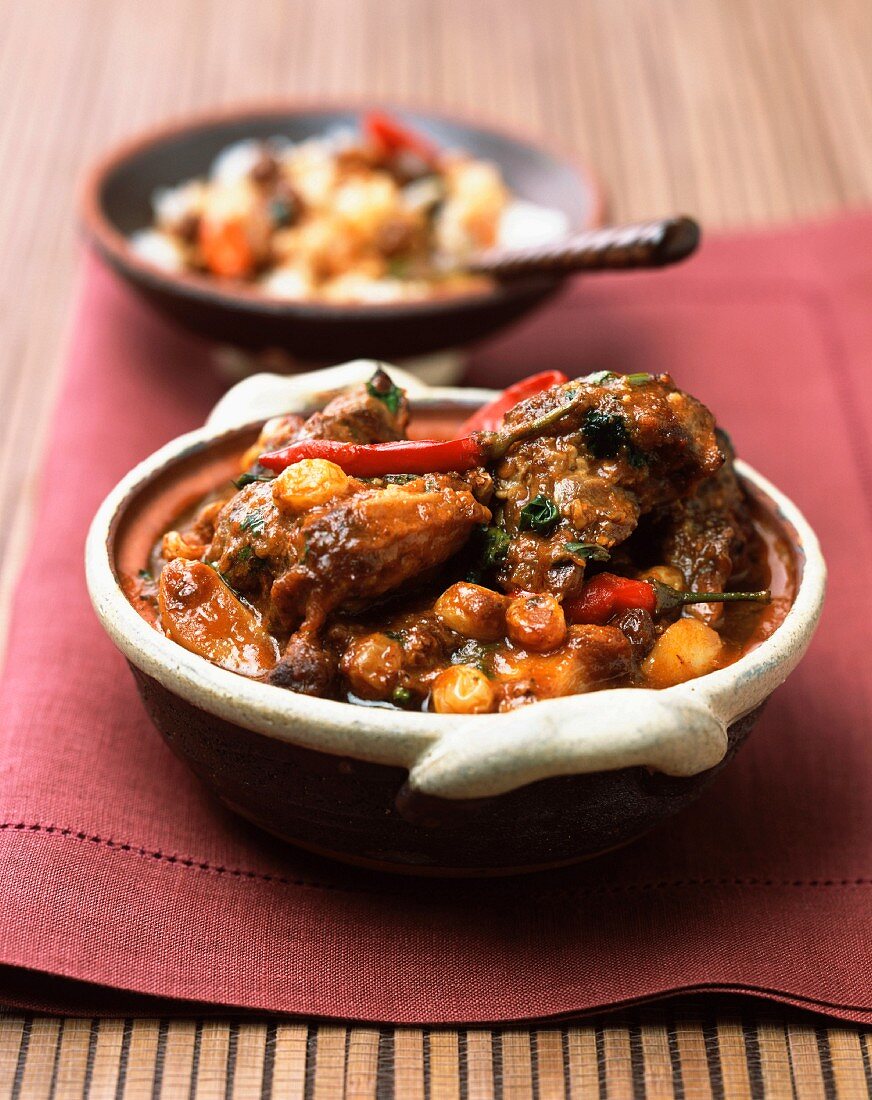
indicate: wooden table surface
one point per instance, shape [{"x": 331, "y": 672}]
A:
[{"x": 739, "y": 111}]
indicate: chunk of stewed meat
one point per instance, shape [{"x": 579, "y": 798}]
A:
[
  {"x": 372, "y": 412},
  {"x": 623, "y": 448},
  {"x": 590, "y": 658},
  {"x": 710, "y": 537},
  {"x": 370, "y": 542}
]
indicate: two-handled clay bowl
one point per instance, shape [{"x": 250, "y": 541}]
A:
[
  {"x": 116, "y": 202},
  {"x": 551, "y": 783}
]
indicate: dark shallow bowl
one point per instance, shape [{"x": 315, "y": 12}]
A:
[
  {"x": 549, "y": 784},
  {"x": 117, "y": 202}
]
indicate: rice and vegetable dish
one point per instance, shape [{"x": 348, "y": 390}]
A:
[{"x": 375, "y": 216}]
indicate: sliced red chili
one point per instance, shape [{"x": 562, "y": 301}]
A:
[
  {"x": 417, "y": 456},
  {"x": 490, "y": 417},
  {"x": 391, "y": 137},
  {"x": 607, "y": 594}
]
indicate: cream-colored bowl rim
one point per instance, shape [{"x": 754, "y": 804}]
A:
[{"x": 679, "y": 730}]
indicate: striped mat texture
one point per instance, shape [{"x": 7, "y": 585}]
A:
[{"x": 685, "y": 1050}]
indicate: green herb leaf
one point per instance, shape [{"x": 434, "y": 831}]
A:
[
  {"x": 588, "y": 551},
  {"x": 478, "y": 654},
  {"x": 254, "y": 522},
  {"x": 489, "y": 545},
  {"x": 248, "y": 479},
  {"x": 381, "y": 387},
  {"x": 244, "y": 554},
  {"x": 396, "y": 636},
  {"x": 281, "y": 211},
  {"x": 604, "y": 433},
  {"x": 145, "y": 575},
  {"x": 401, "y": 697},
  {"x": 496, "y": 546},
  {"x": 639, "y": 379},
  {"x": 540, "y": 515},
  {"x": 396, "y": 479},
  {"x": 598, "y": 377}
]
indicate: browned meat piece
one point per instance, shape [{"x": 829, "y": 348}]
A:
[
  {"x": 622, "y": 450},
  {"x": 367, "y": 544},
  {"x": 592, "y": 657},
  {"x": 308, "y": 666},
  {"x": 710, "y": 536},
  {"x": 359, "y": 416},
  {"x": 343, "y": 553}
]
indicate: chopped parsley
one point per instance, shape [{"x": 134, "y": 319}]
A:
[
  {"x": 540, "y": 515},
  {"x": 639, "y": 379},
  {"x": 381, "y": 387},
  {"x": 598, "y": 377},
  {"x": 491, "y": 544},
  {"x": 145, "y": 575},
  {"x": 248, "y": 479},
  {"x": 254, "y": 522},
  {"x": 398, "y": 268},
  {"x": 496, "y": 546},
  {"x": 244, "y": 554},
  {"x": 587, "y": 551},
  {"x": 281, "y": 211},
  {"x": 477, "y": 654},
  {"x": 395, "y": 479},
  {"x": 606, "y": 433}
]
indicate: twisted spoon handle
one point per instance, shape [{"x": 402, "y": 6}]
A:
[{"x": 641, "y": 244}]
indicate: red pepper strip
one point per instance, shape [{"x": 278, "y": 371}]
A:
[
  {"x": 606, "y": 594},
  {"x": 416, "y": 456},
  {"x": 489, "y": 417},
  {"x": 392, "y": 137}
]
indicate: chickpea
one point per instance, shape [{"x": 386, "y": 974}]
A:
[
  {"x": 473, "y": 611},
  {"x": 173, "y": 545},
  {"x": 308, "y": 483},
  {"x": 666, "y": 574},
  {"x": 536, "y": 622},
  {"x": 372, "y": 664},
  {"x": 462, "y": 689},
  {"x": 686, "y": 649}
]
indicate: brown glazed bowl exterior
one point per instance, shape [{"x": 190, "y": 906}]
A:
[
  {"x": 117, "y": 201},
  {"x": 549, "y": 784},
  {"x": 365, "y": 814}
]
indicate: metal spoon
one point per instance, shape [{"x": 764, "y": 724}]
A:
[{"x": 637, "y": 245}]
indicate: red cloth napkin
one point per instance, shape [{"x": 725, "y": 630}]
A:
[{"x": 117, "y": 868}]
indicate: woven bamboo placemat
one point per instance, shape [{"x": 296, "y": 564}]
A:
[
  {"x": 686, "y": 1049},
  {"x": 740, "y": 111}
]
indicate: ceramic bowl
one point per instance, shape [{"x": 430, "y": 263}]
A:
[
  {"x": 117, "y": 202},
  {"x": 551, "y": 783}
]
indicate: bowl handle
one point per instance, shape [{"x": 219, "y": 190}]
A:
[
  {"x": 265, "y": 395},
  {"x": 675, "y": 732}
]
